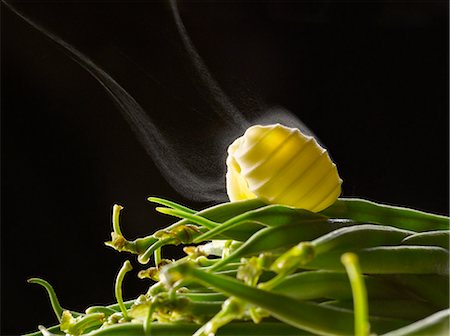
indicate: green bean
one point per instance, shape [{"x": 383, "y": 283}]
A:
[
  {"x": 187, "y": 329},
  {"x": 222, "y": 212},
  {"x": 369, "y": 212},
  {"x": 342, "y": 239},
  {"x": 283, "y": 236},
  {"x": 436, "y": 325},
  {"x": 271, "y": 215},
  {"x": 391, "y": 260},
  {"x": 332, "y": 285},
  {"x": 406, "y": 309},
  {"x": 240, "y": 233},
  {"x": 303, "y": 315},
  {"x": 431, "y": 238},
  {"x": 205, "y": 297},
  {"x": 359, "y": 236},
  {"x": 430, "y": 287}
]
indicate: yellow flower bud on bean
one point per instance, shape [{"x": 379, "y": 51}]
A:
[{"x": 281, "y": 165}]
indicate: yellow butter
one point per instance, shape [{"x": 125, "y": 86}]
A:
[{"x": 281, "y": 165}]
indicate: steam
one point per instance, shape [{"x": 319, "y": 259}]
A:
[{"x": 189, "y": 151}]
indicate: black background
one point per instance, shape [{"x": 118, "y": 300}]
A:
[{"x": 370, "y": 79}]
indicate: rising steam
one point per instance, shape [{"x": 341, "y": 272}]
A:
[{"x": 190, "y": 153}]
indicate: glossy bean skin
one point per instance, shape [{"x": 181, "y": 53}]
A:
[
  {"x": 283, "y": 236},
  {"x": 359, "y": 236},
  {"x": 429, "y": 287},
  {"x": 390, "y": 260},
  {"x": 434, "y": 325},
  {"x": 271, "y": 215},
  {"x": 406, "y": 309},
  {"x": 369, "y": 212},
  {"x": 333, "y": 285},
  {"x": 303, "y": 315},
  {"x": 431, "y": 238},
  {"x": 187, "y": 329}
]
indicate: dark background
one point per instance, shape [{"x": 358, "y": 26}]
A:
[{"x": 370, "y": 79}]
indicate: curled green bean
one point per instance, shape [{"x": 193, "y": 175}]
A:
[{"x": 58, "y": 310}]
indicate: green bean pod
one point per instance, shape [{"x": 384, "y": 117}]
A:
[
  {"x": 369, "y": 212},
  {"x": 283, "y": 236},
  {"x": 333, "y": 285},
  {"x": 406, "y": 309},
  {"x": 205, "y": 297},
  {"x": 390, "y": 260},
  {"x": 434, "y": 325},
  {"x": 307, "y": 316},
  {"x": 271, "y": 215},
  {"x": 359, "y": 236},
  {"x": 342, "y": 239},
  {"x": 430, "y": 287},
  {"x": 187, "y": 329},
  {"x": 431, "y": 238}
]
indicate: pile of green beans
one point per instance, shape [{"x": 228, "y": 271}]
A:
[{"x": 357, "y": 268}]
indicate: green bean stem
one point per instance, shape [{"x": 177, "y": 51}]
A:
[
  {"x": 57, "y": 309},
  {"x": 115, "y": 219},
  {"x": 189, "y": 216},
  {"x": 350, "y": 261},
  {"x": 126, "y": 267},
  {"x": 171, "y": 204}
]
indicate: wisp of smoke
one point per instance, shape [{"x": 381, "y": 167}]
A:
[{"x": 189, "y": 154}]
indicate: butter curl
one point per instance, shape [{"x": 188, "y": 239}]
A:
[{"x": 281, "y": 165}]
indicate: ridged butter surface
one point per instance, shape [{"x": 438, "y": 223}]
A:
[{"x": 281, "y": 165}]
